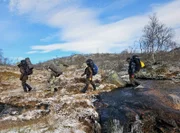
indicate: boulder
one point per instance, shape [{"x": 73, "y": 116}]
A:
[{"x": 113, "y": 78}]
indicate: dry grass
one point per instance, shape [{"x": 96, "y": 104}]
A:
[
  {"x": 8, "y": 75},
  {"x": 19, "y": 124},
  {"x": 162, "y": 70},
  {"x": 172, "y": 74}
]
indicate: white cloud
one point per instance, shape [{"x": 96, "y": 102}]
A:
[
  {"x": 169, "y": 13},
  {"x": 27, "y": 6},
  {"x": 116, "y": 4},
  {"x": 82, "y": 31},
  {"x": 177, "y": 37},
  {"x": 32, "y": 52},
  {"x": 49, "y": 38}
]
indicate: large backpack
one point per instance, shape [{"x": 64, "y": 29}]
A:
[
  {"x": 57, "y": 71},
  {"x": 136, "y": 60},
  {"x": 27, "y": 66},
  {"x": 93, "y": 66}
]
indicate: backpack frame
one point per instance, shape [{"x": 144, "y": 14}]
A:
[
  {"x": 93, "y": 66},
  {"x": 137, "y": 62},
  {"x": 27, "y": 66}
]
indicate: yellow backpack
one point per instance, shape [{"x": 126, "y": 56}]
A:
[{"x": 142, "y": 64}]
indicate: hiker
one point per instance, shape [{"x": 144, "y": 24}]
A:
[
  {"x": 133, "y": 69},
  {"x": 91, "y": 67},
  {"x": 25, "y": 69},
  {"x": 52, "y": 77}
]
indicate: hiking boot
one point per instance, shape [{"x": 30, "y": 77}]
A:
[
  {"x": 24, "y": 88},
  {"x": 94, "y": 87},
  {"x": 30, "y": 89},
  {"x": 55, "y": 89},
  {"x": 83, "y": 91}
]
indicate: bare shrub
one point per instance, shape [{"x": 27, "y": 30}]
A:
[{"x": 156, "y": 37}]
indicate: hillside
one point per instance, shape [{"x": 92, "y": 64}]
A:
[
  {"x": 113, "y": 107},
  {"x": 110, "y": 61}
]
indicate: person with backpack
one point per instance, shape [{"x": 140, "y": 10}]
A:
[
  {"x": 52, "y": 80},
  {"x": 90, "y": 70},
  {"x": 26, "y": 69},
  {"x": 134, "y": 68}
]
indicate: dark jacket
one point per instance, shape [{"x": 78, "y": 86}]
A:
[
  {"x": 24, "y": 75},
  {"x": 88, "y": 72},
  {"x": 132, "y": 67}
]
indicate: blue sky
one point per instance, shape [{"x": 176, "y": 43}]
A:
[{"x": 46, "y": 29}]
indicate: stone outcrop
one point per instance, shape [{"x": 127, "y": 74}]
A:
[
  {"x": 160, "y": 72},
  {"x": 145, "y": 110},
  {"x": 42, "y": 110},
  {"x": 64, "y": 109}
]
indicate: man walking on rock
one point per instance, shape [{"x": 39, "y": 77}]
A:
[
  {"x": 89, "y": 75},
  {"x": 132, "y": 71},
  {"x": 54, "y": 72},
  {"x": 25, "y": 70}
]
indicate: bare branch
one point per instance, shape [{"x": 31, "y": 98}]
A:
[{"x": 156, "y": 37}]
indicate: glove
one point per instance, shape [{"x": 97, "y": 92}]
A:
[{"x": 132, "y": 76}]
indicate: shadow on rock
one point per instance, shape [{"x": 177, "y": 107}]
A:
[{"x": 131, "y": 110}]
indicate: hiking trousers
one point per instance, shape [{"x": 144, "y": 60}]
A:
[
  {"x": 25, "y": 86},
  {"x": 52, "y": 81},
  {"x": 87, "y": 85},
  {"x": 133, "y": 80}
]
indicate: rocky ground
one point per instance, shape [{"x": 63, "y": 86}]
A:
[
  {"x": 68, "y": 110},
  {"x": 65, "y": 110}
]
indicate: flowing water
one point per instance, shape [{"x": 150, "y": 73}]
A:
[
  {"x": 147, "y": 110},
  {"x": 6, "y": 109}
]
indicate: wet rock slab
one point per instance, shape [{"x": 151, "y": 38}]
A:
[{"x": 142, "y": 110}]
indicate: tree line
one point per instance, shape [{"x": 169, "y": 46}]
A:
[
  {"x": 3, "y": 60},
  {"x": 157, "y": 37}
]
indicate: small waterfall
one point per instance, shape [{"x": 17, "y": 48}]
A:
[
  {"x": 115, "y": 126},
  {"x": 136, "y": 126},
  {"x": 6, "y": 109}
]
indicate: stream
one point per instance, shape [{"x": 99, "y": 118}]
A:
[
  {"x": 152, "y": 109},
  {"x": 7, "y": 109}
]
